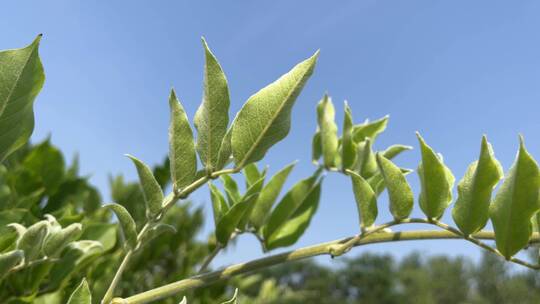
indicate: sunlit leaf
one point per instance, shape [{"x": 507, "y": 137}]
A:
[
  {"x": 151, "y": 189},
  {"x": 81, "y": 295},
  {"x": 21, "y": 80},
  {"x": 436, "y": 182},
  {"x": 212, "y": 117},
  {"x": 348, "y": 146},
  {"x": 32, "y": 239},
  {"x": 399, "y": 192},
  {"x": 328, "y": 128},
  {"x": 471, "y": 210},
  {"x": 58, "y": 239},
  {"x": 366, "y": 200},
  {"x": 369, "y": 129},
  {"x": 395, "y": 150},
  {"x": 515, "y": 203},
  {"x": 127, "y": 224},
  {"x": 265, "y": 118},
  {"x": 183, "y": 159}
]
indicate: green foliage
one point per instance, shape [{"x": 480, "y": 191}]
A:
[
  {"x": 183, "y": 159},
  {"x": 515, "y": 204},
  {"x": 265, "y": 118},
  {"x": 81, "y": 295},
  {"x": 471, "y": 210},
  {"x": 348, "y": 146},
  {"x": 399, "y": 192},
  {"x": 21, "y": 79},
  {"x": 366, "y": 200},
  {"x": 212, "y": 117},
  {"x": 328, "y": 129},
  {"x": 153, "y": 195},
  {"x": 436, "y": 182},
  {"x": 127, "y": 224}
]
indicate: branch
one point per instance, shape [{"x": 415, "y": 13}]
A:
[{"x": 295, "y": 255}]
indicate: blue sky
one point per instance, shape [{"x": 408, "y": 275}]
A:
[{"x": 452, "y": 70}]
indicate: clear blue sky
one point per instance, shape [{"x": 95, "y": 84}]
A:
[{"x": 452, "y": 70}]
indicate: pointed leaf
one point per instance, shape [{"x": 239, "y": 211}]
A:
[
  {"x": 21, "y": 79},
  {"x": 268, "y": 197},
  {"x": 127, "y": 224},
  {"x": 395, "y": 150},
  {"x": 219, "y": 204},
  {"x": 366, "y": 164},
  {"x": 348, "y": 146},
  {"x": 183, "y": 159},
  {"x": 399, "y": 192},
  {"x": 184, "y": 300},
  {"x": 156, "y": 231},
  {"x": 288, "y": 205},
  {"x": 327, "y": 125},
  {"x": 81, "y": 295},
  {"x": 153, "y": 195},
  {"x": 366, "y": 200},
  {"x": 228, "y": 223},
  {"x": 31, "y": 242},
  {"x": 515, "y": 203},
  {"x": 212, "y": 117},
  {"x": 471, "y": 210},
  {"x": 225, "y": 151},
  {"x": 369, "y": 129},
  {"x": 252, "y": 174},
  {"x": 289, "y": 233},
  {"x": 252, "y": 194},
  {"x": 234, "y": 299},
  {"x": 265, "y": 118},
  {"x": 59, "y": 239},
  {"x": 231, "y": 189},
  {"x": 436, "y": 182}
]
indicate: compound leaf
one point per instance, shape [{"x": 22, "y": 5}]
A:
[{"x": 265, "y": 118}]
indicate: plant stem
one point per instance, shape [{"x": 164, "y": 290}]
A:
[
  {"x": 169, "y": 201},
  {"x": 210, "y": 258},
  {"x": 295, "y": 255}
]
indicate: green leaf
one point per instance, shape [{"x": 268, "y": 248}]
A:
[
  {"x": 129, "y": 229},
  {"x": 348, "y": 146},
  {"x": 252, "y": 174},
  {"x": 471, "y": 210},
  {"x": 9, "y": 260},
  {"x": 225, "y": 151},
  {"x": 289, "y": 204},
  {"x": 59, "y": 238},
  {"x": 366, "y": 164},
  {"x": 21, "y": 80},
  {"x": 32, "y": 239},
  {"x": 157, "y": 230},
  {"x": 231, "y": 189},
  {"x": 153, "y": 195},
  {"x": 212, "y": 117},
  {"x": 268, "y": 197},
  {"x": 265, "y": 118},
  {"x": 289, "y": 233},
  {"x": 183, "y": 159},
  {"x": 395, "y": 150},
  {"x": 327, "y": 125},
  {"x": 252, "y": 194},
  {"x": 369, "y": 129},
  {"x": 184, "y": 300},
  {"x": 515, "y": 203},
  {"x": 316, "y": 147},
  {"x": 366, "y": 200},
  {"x": 81, "y": 295},
  {"x": 219, "y": 204},
  {"x": 103, "y": 233},
  {"x": 436, "y": 182},
  {"x": 230, "y": 221},
  {"x": 399, "y": 192},
  {"x": 47, "y": 163}
]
